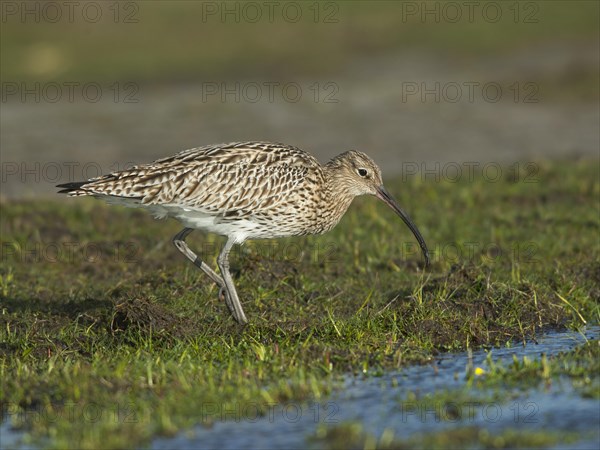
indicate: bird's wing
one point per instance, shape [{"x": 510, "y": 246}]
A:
[{"x": 228, "y": 180}]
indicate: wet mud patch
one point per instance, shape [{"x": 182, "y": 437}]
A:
[
  {"x": 141, "y": 316},
  {"x": 50, "y": 325},
  {"x": 586, "y": 274},
  {"x": 43, "y": 328},
  {"x": 466, "y": 306}
]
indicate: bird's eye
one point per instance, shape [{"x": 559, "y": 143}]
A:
[{"x": 362, "y": 172}]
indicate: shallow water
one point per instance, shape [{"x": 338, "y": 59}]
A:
[
  {"x": 376, "y": 402},
  {"x": 379, "y": 403}
]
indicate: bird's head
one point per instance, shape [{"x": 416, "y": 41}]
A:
[{"x": 356, "y": 174}]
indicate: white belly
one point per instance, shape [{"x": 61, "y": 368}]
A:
[{"x": 239, "y": 230}]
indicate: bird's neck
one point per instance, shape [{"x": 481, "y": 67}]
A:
[{"x": 336, "y": 196}]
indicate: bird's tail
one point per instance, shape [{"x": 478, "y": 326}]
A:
[{"x": 73, "y": 188}]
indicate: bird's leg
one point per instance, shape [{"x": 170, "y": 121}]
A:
[
  {"x": 231, "y": 296},
  {"x": 179, "y": 241}
]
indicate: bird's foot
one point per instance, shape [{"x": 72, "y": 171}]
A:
[{"x": 238, "y": 316}]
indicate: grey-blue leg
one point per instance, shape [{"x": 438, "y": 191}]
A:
[
  {"x": 231, "y": 296},
  {"x": 179, "y": 241}
]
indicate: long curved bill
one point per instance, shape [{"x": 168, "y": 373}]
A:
[{"x": 384, "y": 195}]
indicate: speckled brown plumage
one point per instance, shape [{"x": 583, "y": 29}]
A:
[{"x": 244, "y": 190}]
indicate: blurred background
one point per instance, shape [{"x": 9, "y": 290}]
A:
[{"x": 90, "y": 87}]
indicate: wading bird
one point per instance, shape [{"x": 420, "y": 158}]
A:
[{"x": 244, "y": 190}]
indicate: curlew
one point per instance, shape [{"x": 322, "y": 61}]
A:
[{"x": 244, "y": 190}]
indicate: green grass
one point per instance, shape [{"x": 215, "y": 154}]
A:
[{"x": 98, "y": 308}]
